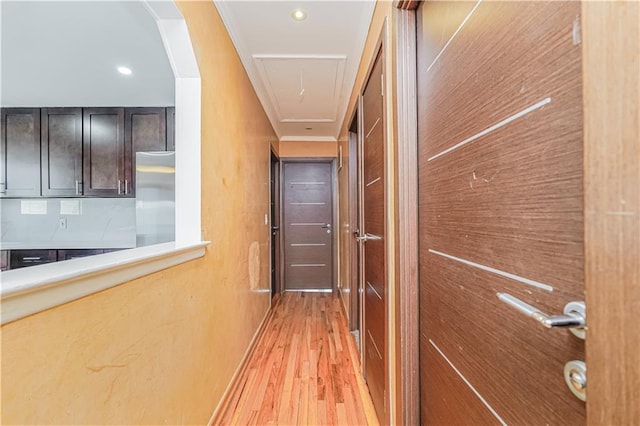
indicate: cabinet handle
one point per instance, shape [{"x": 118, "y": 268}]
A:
[
  {"x": 3, "y": 188},
  {"x": 119, "y": 187},
  {"x": 77, "y": 188},
  {"x": 32, "y": 258},
  {"x": 126, "y": 186}
]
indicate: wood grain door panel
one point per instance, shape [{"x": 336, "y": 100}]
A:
[
  {"x": 373, "y": 191},
  {"x": 372, "y": 100},
  {"x": 494, "y": 80},
  {"x": 509, "y": 359},
  {"x": 61, "y": 151},
  {"x": 375, "y": 308},
  {"x": 447, "y": 399},
  {"x": 375, "y": 267},
  {"x": 374, "y": 155},
  {"x": 500, "y": 208},
  {"x": 374, "y": 200},
  {"x": 302, "y": 254},
  {"x": 308, "y": 225},
  {"x": 374, "y": 369},
  {"x": 514, "y": 195}
]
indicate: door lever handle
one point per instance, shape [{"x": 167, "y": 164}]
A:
[
  {"x": 326, "y": 226},
  {"x": 574, "y": 318},
  {"x": 367, "y": 237}
]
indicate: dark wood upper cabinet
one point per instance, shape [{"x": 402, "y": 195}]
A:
[
  {"x": 145, "y": 130},
  {"x": 104, "y": 153},
  {"x": 20, "y": 152},
  {"x": 71, "y": 152},
  {"x": 171, "y": 129},
  {"x": 61, "y": 152}
]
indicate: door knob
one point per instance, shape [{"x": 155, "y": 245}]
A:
[
  {"x": 574, "y": 318},
  {"x": 575, "y": 375}
]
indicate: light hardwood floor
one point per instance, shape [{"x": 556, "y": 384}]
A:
[{"x": 303, "y": 370}]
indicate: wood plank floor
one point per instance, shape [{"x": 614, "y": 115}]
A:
[{"x": 303, "y": 370}]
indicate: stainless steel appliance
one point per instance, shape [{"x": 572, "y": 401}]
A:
[{"x": 155, "y": 197}]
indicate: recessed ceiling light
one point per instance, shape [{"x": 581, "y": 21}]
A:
[
  {"x": 309, "y": 128},
  {"x": 299, "y": 15},
  {"x": 125, "y": 70}
]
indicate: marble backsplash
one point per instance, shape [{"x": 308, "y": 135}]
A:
[{"x": 67, "y": 223}]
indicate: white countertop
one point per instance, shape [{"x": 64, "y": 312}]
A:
[{"x": 26, "y": 291}]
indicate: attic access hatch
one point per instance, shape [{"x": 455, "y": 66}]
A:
[{"x": 303, "y": 88}]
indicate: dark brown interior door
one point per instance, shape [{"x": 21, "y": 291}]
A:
[
  {"x": 275, "y": 225},
  {"x": 308, "y": 225},
  {"x": 353, "y": 231},
  {"x": 500, "y": 209},
  {"x": 374, "y": 338}
]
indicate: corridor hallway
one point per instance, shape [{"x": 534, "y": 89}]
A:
[{"x": 304, "y": 370}]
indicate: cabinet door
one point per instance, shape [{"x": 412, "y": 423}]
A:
[
  {"x": 104, "y": 152},
  {"x": 61, "y": 152},
  {"x": 20, "y": 152},
  {"x": 171, "y": 129},
  {"x": 145, "y": 130}
]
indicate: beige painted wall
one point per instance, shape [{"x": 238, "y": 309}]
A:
[
  {"x": 275, "y": 147},
  {"x": 162, "y": 349},
  {"x": 384, "y": 12},
  {"x": 308, "y": 149}
]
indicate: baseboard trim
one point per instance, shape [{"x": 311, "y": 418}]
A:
[{"x": 234, "y": 384}]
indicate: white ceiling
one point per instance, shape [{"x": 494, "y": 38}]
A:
[
  {"x": 303, "y": 72},
  {"x": 58, "y": 53}
]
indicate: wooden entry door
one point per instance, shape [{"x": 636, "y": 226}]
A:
[
  {"x": 373, "y": 182},
  {"x": 500, "y": 209},
  {"x": 308, "y": 225}
]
